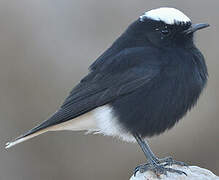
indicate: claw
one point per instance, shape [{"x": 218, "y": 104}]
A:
[
  {"x": 176, "y": 171},
  {"x": 158, "y": 166},
  {"x": 141, "y": 168},
  {"x": 158, "y": 169},
  {"x": 136, "y": 170}
]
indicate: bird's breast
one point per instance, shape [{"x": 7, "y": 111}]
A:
[{"x": 162, "y": 102}]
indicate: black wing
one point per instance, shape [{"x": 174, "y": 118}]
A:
[{"x": 108, "y": 80}]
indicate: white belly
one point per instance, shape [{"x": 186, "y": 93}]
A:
[{"x": 101, "y": 120}]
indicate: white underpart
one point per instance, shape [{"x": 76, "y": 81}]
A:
[
  {"x": 81, "y": 123},
  {"x": 167, "y": 15},
  {"x": 101, "y": 120},
  {"x": 108, "y": 124}
]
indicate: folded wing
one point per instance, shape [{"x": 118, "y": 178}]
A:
[{"x": 116, "y": 76}]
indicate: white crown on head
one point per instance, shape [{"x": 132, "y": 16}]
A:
[{"x": 167, "y": 15}]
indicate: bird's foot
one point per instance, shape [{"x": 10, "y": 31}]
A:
[
  {"x": 158, "y": 169},
  {"x": 169, "y": 161}
]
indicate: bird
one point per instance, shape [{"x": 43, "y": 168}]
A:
[{"x": 141, "y": 86}]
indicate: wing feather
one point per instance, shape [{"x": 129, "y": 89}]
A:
[{"x": 117, "y": 76}]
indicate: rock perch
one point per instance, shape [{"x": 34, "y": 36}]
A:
[{"x": 193, "y": 173}]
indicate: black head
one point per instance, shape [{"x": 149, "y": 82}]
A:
[{"x": 164, "y": 28}]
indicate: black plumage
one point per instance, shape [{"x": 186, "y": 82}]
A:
[
  {"x": 150, "y": 82},
  {"x": 151, "y": 76}
]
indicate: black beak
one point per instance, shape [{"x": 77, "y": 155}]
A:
[{"x": 194, "y": 28}]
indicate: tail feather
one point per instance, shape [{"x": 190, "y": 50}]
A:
[
  {"x": 24, "y": 137},
  {"x": 56, "y": 123},
  {"x": 41, "y": 128}
]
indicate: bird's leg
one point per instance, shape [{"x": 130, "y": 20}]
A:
[
  {"x": 154, "y": 163},
  {"x": 169, "y": 161}
]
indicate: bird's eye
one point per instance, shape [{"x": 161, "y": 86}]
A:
[{"x": 165, "y": 31}]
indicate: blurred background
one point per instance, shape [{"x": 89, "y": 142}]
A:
[{"x": 46, "y": 46}]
